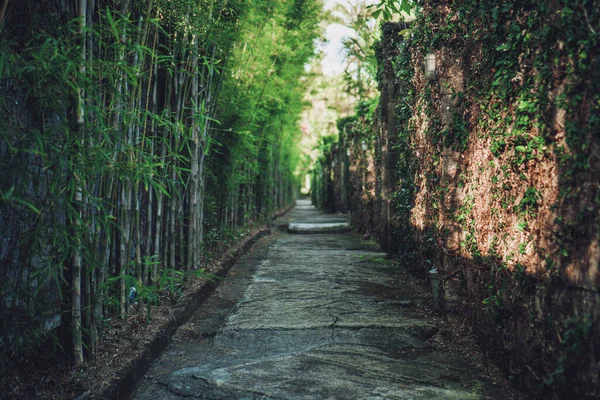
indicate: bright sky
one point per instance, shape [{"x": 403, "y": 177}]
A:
[{"x": 333, "y": 60}]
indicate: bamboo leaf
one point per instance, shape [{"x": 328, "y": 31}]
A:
[
  {"x": 406, "y": 6},
  {"x": 8, "y": 197},
  {"x": 8, "y": 194},
  {"x": 113, "y": 25},
  {"x": 157, "y": 186},
  {"x": 27, "y": 204}
]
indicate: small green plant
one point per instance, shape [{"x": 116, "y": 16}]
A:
[
  {"x": 576, "y": 332},
  {"x": 465, "y": 210},
  {"x": 521, "y": 226},
  {"x": 496, "y": 287},
  {"x": 519, "y": 273},
  {"x": 529, "y": 202}
]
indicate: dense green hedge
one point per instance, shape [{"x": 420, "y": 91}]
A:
[{"x": 137, "y": 139}]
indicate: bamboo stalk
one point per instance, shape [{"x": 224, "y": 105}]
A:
[
  {"x": 160, "y": 250},
  {"x": 137, "y": 148},
  {"x": 92, "y": 290},
  {"x": 172, "y": 216},
  {"x": 3, "y": 11},
  {"x": 151, "y": 94},
  {"x": 194, "y": 145},
  {"x": 123, "y": 246},
  {"x": 76, "y": 261},
  {"x": 138, "y": 235},
  {"x": 125, "y": 203},
  {"x": 209, "y": 108}
]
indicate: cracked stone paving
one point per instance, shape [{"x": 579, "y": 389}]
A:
[{"x": 320, "y": 315}]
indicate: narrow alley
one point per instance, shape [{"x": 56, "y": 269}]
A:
[{"x": 320, "y": 315}]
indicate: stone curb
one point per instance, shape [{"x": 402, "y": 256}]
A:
[
  {"x": 281, "y": 212},
  {"x": 127, "y": 379},
  {"x": 318, "y": 231}
]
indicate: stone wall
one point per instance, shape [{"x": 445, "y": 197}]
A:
[{"x": 488, "y": 170}]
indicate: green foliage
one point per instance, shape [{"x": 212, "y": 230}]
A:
[
  {"x": 124, "y": 135},
  {"x": 260, "y": 108},
  {"x": 403, "y": 198},
  {"x": 530, "y": 201},
  {"x": 530, "y": 93},
  {"x": 361, "y": 65},
  {"x": 322, "y": 174},
  {"x": 575, "y": 333},
  {"x": 387, "y": 8},
  {"x": 464, "y": 213}
]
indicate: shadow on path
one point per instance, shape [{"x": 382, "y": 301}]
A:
[{"x": 314, "y": 316}]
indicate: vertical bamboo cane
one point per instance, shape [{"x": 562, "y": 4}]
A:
[{"x": 77, "y": 356}]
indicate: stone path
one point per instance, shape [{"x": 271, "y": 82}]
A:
[{"x": 315, "y": 316}]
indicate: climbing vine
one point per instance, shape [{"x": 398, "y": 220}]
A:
[
  {"x": 518, "y": 105},
  {"x": 495, "y": 179}
]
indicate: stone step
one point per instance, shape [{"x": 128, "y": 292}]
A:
[{"x": 319, "y": 227}]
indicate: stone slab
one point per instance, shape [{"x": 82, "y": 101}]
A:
[{"x": 315, "y": 317}]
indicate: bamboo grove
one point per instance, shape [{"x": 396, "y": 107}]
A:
[{"x": 135, "y": 138}]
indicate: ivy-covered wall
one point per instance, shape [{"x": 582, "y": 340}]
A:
[{"x": 496, "y": 177}]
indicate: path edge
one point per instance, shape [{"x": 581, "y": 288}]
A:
[{"x": 127, "y": 379}]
